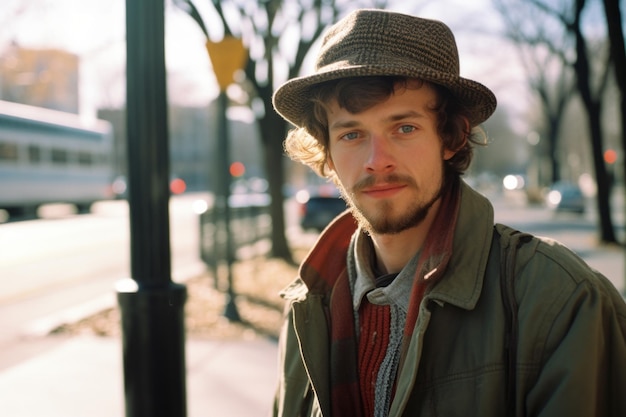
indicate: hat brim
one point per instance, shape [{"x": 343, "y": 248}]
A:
[{"x": 291, "y": 100}]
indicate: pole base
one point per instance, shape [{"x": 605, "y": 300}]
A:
[
  {"x": 230, "y": 310},
  {"x": 154, "y": 349}
]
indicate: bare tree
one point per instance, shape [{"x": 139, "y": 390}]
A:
[
  {"x": 278, "y": 35},
  {"x": 575, "y": 52},
  {"x": 592, "y": 99},
  {"x": 542, "y": 52},
  {"x": 618, "y": 55}
]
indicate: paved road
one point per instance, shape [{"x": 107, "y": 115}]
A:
[{"x": 53, "y": 268}]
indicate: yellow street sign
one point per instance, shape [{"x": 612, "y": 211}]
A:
[{"x": 227, "y": 56}]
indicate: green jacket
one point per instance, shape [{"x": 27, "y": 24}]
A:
[{"x": 571, "y": 347}]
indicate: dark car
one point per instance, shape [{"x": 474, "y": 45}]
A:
[
  {"x": 566, "y": 197},
  {"x": 319, "y": 209}
]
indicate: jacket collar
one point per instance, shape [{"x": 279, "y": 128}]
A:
[{"x": 463, "y": 280}]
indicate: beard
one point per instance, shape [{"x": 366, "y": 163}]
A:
[{"x": 383, "y": 219}]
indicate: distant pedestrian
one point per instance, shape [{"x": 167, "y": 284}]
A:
[{"x": 413, "y": 303}]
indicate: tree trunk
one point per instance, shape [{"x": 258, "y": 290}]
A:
[
  {"x": 272, "y": 128},
  {"x": 618, "y": 53},
  {"x": 593, "y": 107},
  {"x": 553, "y": 135},
  {"x": 607, "y": 233}
]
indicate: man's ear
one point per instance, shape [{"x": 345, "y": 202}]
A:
[
  {"x": 329, "y": 162},
  {"x": 449, "y": 153}
]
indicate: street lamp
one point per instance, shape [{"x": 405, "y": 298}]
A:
[{"x": 152, "y": 306}]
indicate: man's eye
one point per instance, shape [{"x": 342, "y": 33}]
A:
[
  {"x": 350, "y": 136},
  {"x": 406, "y": 129}
]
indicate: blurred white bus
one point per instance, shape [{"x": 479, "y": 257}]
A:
[{"x": 48, "y": 156}]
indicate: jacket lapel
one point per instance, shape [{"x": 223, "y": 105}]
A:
[{"x": 461, "y": 284}]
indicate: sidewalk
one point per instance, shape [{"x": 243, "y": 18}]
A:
[{"x": 83, "y": 377}]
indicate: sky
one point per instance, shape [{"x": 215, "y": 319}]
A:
[{"x": 95, "y": 31}]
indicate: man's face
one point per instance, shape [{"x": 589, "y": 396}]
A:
[{"x": 389, "y": 159}]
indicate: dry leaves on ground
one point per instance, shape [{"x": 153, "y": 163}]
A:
[{"x": 256, "y": 283}]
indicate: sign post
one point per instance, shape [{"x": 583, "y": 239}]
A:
[{"x": 227, "y": 56}]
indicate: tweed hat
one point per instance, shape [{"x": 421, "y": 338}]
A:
[{"x": 370, "y": 42}]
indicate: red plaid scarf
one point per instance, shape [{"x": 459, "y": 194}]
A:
[{"x": 345, "y": 392}]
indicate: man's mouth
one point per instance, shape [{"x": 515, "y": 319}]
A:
[{"x": 383, "y": 190}]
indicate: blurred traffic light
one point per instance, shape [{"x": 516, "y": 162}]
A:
[
  {"x": 237, "y": 169},
  {"x": 610, "y": 156}
]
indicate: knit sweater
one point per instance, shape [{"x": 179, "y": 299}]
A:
[{"x": 380, "y": 305}]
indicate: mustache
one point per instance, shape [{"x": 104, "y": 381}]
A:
[{"x": 372, "y": 180}]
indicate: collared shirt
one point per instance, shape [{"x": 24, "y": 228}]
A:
[{"x": 397, "y": 293}]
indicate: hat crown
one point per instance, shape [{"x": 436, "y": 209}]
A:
[
  {"x": 372, "y": 37},
  {"x": 378, "y": 43}
]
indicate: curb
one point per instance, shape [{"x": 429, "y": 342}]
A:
[{"x": 47, "y": 325}]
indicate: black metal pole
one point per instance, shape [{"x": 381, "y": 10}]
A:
[
  {"x": 222, "y": 196},
  {"x": 152, "y": 306}
]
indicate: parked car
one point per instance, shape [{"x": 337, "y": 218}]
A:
[
  {"x": 319, "y": 207},
  {"x": 567, "y": 197}
]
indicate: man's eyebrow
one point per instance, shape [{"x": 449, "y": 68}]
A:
[
  {"x": 344, "y": 124},
  {"x": 405, "y": 115}
]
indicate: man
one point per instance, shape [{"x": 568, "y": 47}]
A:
[{"x": 413, "y": 303}]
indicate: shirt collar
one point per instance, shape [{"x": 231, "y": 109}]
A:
[{"x": 398, "y": 292}]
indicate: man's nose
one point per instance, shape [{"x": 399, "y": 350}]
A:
[{"x": 380, "y": 158}]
